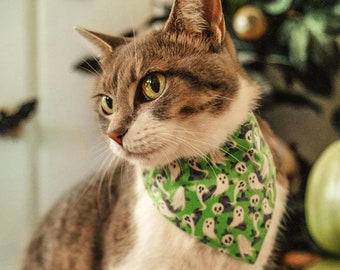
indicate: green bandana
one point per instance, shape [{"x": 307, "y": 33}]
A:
[{"x": 225, "y": 199}]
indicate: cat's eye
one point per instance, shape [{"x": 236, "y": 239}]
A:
[
  {"x": 107, "y": 105},
  {"x": 153, "y": 86}
]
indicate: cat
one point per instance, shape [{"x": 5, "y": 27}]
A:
[{"x": 172, "y": 97}]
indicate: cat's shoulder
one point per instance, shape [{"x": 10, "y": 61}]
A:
[
  {"x": 284, "y": 157},
  {"x": 71, "y": 232}
]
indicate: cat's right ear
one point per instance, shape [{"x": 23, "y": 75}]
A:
[
  {"x": 198, "y": 18},
  {"x": 103, "y": 44}
]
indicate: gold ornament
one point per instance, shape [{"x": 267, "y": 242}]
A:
[{"x": 249, "y": 23}]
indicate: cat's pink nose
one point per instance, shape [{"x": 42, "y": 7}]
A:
[{"x": 117, "y": 137}]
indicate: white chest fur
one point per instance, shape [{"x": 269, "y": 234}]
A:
[{"x": 160, "y": 245}]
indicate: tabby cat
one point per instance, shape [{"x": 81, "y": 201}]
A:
[{"x": 199, "y": 182}]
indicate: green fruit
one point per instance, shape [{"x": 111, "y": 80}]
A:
[
  {"x": 325, "y": 265},
  {"x": 323, "y": 199}
]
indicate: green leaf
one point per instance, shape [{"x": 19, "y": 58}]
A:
[
  {"x": 309, "y": 40},
  {"x": 285, "y": 31},
  {"x": 322, "y": 50},
  {"x": 298, "y": 46},
  {"x": 276, "y": 7}
]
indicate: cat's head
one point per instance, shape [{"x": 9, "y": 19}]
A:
[{"x": 177, "y": 92}]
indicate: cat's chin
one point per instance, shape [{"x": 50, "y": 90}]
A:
[
  {"x": 146, "y": 159},
  {"x": 143, "y": 159},
  {"x": 152, "y": 159}
]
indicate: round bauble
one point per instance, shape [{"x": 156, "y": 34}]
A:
[{"x": 249, "y": 23}]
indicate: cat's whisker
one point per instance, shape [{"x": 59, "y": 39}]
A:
[
  {"x": 93, "y": 181},
  {"x": 135, "y": 50},
  {"x": 101, "y": 149},
  {"x": 201, "y": 155},
  {"x": 229, "y": 154},
  {"x": 223, "y": 97},
  {"x": 171, "y": 139},
  {"x": 163, "y": 153},
  {"x": 101, "y": 74},
  {"x": 201, "y": 142},
  {"x": 106, "y": 159},
  {"x": 114, "y": 164},
  {"x": 129, "y": 50},
  {"x": 103, "y": 158}
]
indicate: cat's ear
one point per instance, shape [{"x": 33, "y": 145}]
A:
[
  {"x": 198, "y": 17},
  {"x": 104, "y": 44}
]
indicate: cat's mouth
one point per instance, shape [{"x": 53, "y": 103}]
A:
[
  {"x": 142, "y": 157},
  {"x": 151, "y": 157}
]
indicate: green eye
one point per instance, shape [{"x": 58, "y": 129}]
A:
[
  {"x": 153, "y": 86},
  {"x": 107, "y": 105}
]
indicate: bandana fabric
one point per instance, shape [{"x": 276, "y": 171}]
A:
[{"x": 225, "y": 199}]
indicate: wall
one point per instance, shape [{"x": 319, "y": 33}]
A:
[{"x": 60, "y": 145}]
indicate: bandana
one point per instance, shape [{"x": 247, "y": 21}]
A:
[{"x": 225, "y": 199}]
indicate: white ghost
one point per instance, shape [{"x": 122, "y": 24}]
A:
[
  {"x": 218, "y": 208},
  {"x": 241, "y": 186},
  {"x": 254, "y": 182},
  {"x": 178, "y": 201},
  {"x": 201, "y": 190},
  {"x": 174, "y": 169},
  {"x": 232, "y": 143},
  {"x": 249, "y": 136},
  {"x": 270, "y": 189},
  {"x": 238, "y": 217},
  {"x": 251, "y": 153},
  {"x": 160, "y": 179},
  {"x": 195, "y": 166},
  {"x": 218, "y": 158},
  {"x": 267, "y": 210},
  {"x": 244, "y": 246},
  {"x": 155, "y": 190},
  {"x": 257, "y": 140},
  {"x": 209, "y": 228},
  {"x": 256, "y": 218},
  {"x": 222, "y": 184},
  {"x": 223, "y": 251},
  {"x": 163, "y": 208},
  {"x": 241, "y": 167},
  {"x": 254, "y": 200},
  {"x": 268, "y": 223},
  {"x": 265, "y": 167},
  {"x": 188, "y": 220},
  {"x": 228, "y": 240}
]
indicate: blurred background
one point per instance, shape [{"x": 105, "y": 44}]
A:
[
  {"x": 49, "y": 138},
  {"x": 58, "y": 145}
]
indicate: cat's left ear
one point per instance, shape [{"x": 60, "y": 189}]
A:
[
  {"x": 104, "y": 44},
  {"x": 198, "y": 17}
]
